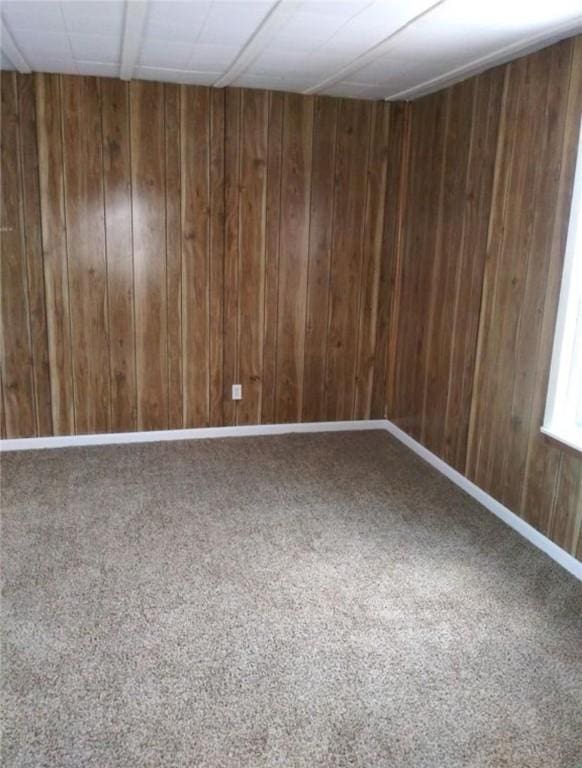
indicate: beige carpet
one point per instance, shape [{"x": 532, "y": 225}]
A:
[{"x": 299, "y": 601}]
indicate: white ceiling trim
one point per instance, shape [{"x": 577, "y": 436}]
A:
[
  {"x": 133, "y": 27},
  {"x": 370, "y": 55},
  {"x": 12, "y": 52},
  {"x": 258, "y": 41},
  {"x": 500, "y": 56}
]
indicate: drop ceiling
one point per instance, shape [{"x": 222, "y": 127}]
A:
[{"x": 394, "y": 49}]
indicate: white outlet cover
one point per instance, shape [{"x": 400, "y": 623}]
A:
[{"x": 237, "y": 391}]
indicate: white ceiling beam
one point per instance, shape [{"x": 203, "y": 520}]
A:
[
  {"x": 277, "y": 17},
  {"x": 136, "y": 12},
  {"x": 11, "y": 50},
  {"x": 494, "y": 59},
  {"x": 373, "y": 53}
]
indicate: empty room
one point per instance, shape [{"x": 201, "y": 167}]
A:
[{"x": 291, "y": 384}]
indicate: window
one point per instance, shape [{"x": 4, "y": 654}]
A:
[{"x": 563, "y": 417}]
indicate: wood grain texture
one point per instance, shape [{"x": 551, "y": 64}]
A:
[
  {"x": 173, "y": 200},
  {"x": 353, "y": 146},
  {"x": 34, "y": 259},
  {"x": 149, "y": 253},
  {"x": 195, "y": 132},
  {"x": 232, "y": 184},
  {"x": 251, "y": 251},
  {"x": 272, "y": 220},
  {"x": 320, "y": 243},
  {"x": 115, "y": 128},
  {"x": 486, "y": 213},
  {"x": 55, "y": 251},
  {"x": 216, "y": 258},
  {"x": 84, "y": 210},
  {"x": 17, "y": 379},
  {"x": 383, "y": 393},
  {"x": 372, "y": 251},
  {"x": 293, "y": 255},
  {"x": 170, "y": 241},
  {"x": 422, "y": 219}
]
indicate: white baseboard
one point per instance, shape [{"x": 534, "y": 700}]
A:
[
  {"x": 200, "y": 433},
  {"x": 540, "y": 541}
]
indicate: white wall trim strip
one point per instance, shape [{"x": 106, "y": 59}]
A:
[
  {"x": 200, "y": 433},
  {"x": 528, "y": 532},
  {"x": 536, "y": 538}
]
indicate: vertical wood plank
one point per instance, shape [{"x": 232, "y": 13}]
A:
[
  {"x": 216, "y": 269},
  {"x": 173, "y": 169},
  {"x": 232, "y": 180},
  {"x": 86, "y": 251},
  {"x": 476, "y": 202},
  {"x": 17, "y": 371},
  {"x": 272, "y": 224},
  {"x": 33, "y": 244},
  {"x": 149, "y": 250},
  {"x": 353, "y": 139},
  {"x": 372, "y": 256},
  {"x": 320, "y": 241},
  {"x": 477, "y": 439},
  {"x": 428, "y": 120},
  {"x": 195, "y": 132},
  {"x": 447, "y": 257},
  {"x": 391, "y": 262},
  {"x": 119, "y": 248},
  {"x": 293, "y": 255},
  {"x": 566, "y": 519},
  {"x": 54, "y": 250},
  {"x": 252, "y": 240}
]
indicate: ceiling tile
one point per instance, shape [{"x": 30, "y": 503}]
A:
[
  {"x": 41, "y": 16},
  {"x": 94, "y": 18},
  {"x": 346, "y": 8},
  {"x": 280, "y": 63},
  {"x": 233, "y": 23},
  {"x": 158, "y": 53},
  {"x": 307, "y": 32},
  {"x": 176, "y": 21},
  {"x": 96, "y": 47},
  {"x": 38, "y": 44},
  {"x": 211, "y": 57}
]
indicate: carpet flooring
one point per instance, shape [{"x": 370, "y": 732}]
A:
[{"x": 307, "y": 601}]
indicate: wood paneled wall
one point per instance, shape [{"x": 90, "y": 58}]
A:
[
  {"x": 490, "y": 168},
  {"x": 162, "y": 242}
]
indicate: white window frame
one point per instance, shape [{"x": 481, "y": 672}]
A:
[{"x": 555, "y": 425}]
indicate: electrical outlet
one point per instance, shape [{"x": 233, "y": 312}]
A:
[{"x": 237, "y": 391}]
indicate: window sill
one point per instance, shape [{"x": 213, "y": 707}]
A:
[{"x": 571, "y": 442}]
